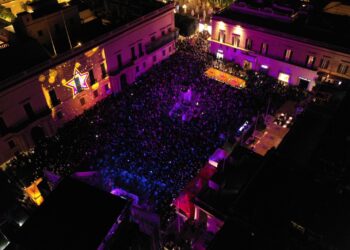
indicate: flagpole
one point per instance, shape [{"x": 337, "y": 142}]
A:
[
  {"x": 52, "y": 43},
  {"x": 65, "y": 27}
]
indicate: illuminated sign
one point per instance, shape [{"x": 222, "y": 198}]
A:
[
  {"x": 302, "y": 78},
  {"x": 283, "y": 77},
  {"x": 264, "y": 66},
  {"x": 244, "y": 126},
  {"x": 79, "y": 82},
  {"x": 34, "y": 193},
  {"x": 220, "y": 54}
]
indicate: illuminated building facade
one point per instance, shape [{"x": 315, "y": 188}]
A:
[
  {"x": 280, "y": 41},
  {"x": 16, "y": 6},
  {"x": 37, "y": 99}
]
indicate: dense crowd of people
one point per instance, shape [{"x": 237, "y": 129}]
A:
[{"x": 131, "y": 140}]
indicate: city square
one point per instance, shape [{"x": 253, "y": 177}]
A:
[{"x": 174, "y": 125}]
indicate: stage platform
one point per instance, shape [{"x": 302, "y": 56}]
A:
[{"x": 226, "y": 78}]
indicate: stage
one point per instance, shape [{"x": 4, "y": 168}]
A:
[{"x": 226, "y": 78}]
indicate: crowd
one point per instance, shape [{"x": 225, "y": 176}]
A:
[{"x": 131, "y": 140}]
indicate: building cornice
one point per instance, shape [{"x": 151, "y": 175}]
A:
[
  {"x": 36, "y": 69},
  {"x": 280, "y": 34}
]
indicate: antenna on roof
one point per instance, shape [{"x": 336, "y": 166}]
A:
[
  {"x": 66, "y": 29},
  {"x": 52, "y": 43}
]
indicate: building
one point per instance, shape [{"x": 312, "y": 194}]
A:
[
  {"x": 213, "y": 204},
  {"x": 52, "y": 79},
  {"x": 286, "y": 40},
  {"x": 297, "y": 196},
  {"x": 16, "y": 6},
  {"x": 75, "y": 216}
]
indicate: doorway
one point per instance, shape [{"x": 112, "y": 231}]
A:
[{"x": 123, "y": 82}]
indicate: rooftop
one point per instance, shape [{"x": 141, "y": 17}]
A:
[
  {"x": 91, "y": 35},
  {"x": 310, "y": 129},
  {"x": 241, "y": 237},
  {"x": 284, "y": 205},
  {"x": 322, "y": 29},
  {"x": 43, "y": 8},
  {"x": 231, "y": 179},
  {"x": 74, "y": 216},
  {"x": 20, "y": 55},
  {"x": 299, "y": 198}
]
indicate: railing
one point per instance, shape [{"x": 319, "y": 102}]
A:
[
  {"x": 255, "y": 53},
  {"x": 160, "y": 42},
  {"x": 21, "y": 125},
  {"x": 302, "y": 65},
  {"x": 121, "y": 68}
]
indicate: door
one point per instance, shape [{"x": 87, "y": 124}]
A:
[{"x": 123, "y": 82}]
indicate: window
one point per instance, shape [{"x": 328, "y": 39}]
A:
[
  {"x": 103, "y": 70},
  {"x": 324, "y": 63},
  {"x": 247, "y": 65},
  {"x": 107, "y": 88},
  {"x": 11, "y": 144},
  {"x": 222, "y": 36},
  {"x": 235, "y": 40},
  {"x": 248, "y": 44},
  {"x": 169, "y": 29},
  {"x": 95, "y": 93},
  {"x": 82, "y": 101},
  {"x": 154, "y": 58},
  {"x": 310, "y": 60},
  {"x": 153, "y": 38},
  {"x": 3, "y": 127},
  {"x": 54, "y": 100},
  {"x": 283, "y": 78},
  {"x": 40, "y": 33},
  {"x": 342, "y": 69},
  {"x": 78, "y": 85},
  {"x": 163, "y": 32},
  {"x": 91, "y": 77},
  {"x": 133, "y": 55},
  {"x": 163, "y": 52},
  {"x": 264, "y": 48},
  {"x": 288, "y": 55},
  {"x": 59, "y": 115},
  {"x": 169, "y": 49},
  {"x": 137, "y": 69},
  {"x": 29, "y": 110},
  {"x": 120, "y": 62},
  {"x": 140, "y": 49}
]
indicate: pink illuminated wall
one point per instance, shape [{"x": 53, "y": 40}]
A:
[
  {"x": 55, "y": 89},
  {"x": 138, "y": 38},
  {"x": 277, "y": 44},
  {"x": 85, "y": 68}
]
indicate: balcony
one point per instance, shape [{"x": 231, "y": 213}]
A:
[
  {"x": 22, "y": 124},
  {"x": 120, "y": 69},
  {"x": 257, "y": 53},
  {"x": 163, "y": 40},
  {"x": 281, "y": 59}
]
